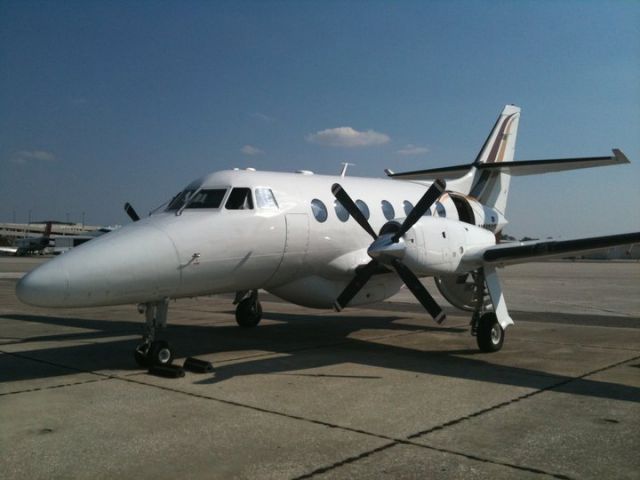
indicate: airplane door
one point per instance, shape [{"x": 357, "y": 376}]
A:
[{"x": 295, "y": 248}]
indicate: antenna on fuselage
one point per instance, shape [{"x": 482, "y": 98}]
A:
[{"x": 345, "y": 165}]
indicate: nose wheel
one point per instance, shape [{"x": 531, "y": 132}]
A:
[
  {"x": 248, "y": 310},
  {"x": 152, "y": 352}
]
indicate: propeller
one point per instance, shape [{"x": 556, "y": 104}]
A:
[
  {"x": 131, "y": 212},
  {"x": 386, "y": 250}
]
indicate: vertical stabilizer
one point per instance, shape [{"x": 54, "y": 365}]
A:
[{"x": 492, "y": 188}]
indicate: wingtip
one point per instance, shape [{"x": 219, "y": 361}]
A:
[{"x": 620, "y": 156}]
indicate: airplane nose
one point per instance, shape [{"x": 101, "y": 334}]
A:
[
  {"x": 47, "y": 285},
  {"x": 135, "y": 264}
]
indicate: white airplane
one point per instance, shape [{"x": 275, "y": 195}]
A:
[{"x": 294, "y": 235}]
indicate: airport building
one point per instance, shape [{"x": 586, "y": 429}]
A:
[{"x": 63, "y": 235}]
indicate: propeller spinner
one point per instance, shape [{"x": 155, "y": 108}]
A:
[{"x": 386, "y": 250}]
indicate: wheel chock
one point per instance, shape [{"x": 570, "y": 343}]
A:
[
  {"x": 197, "y": 366},
  {"x": 167, "y": 371}
]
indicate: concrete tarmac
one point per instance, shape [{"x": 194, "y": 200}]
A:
[{"x": 371, "y": 392}]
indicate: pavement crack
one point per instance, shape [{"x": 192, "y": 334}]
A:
[
  {"x": 53, "y": 387},
  {"x": 346, "y": 461},
  {"x": 517, "y": 399},
  {"x": 392, "y": 441}
]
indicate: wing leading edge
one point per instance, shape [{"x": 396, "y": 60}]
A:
[{"x": 522, "y": 252}]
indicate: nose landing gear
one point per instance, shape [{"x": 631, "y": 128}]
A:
[
  {"x": 152, "y": 352},
  {"x": 248, "y": 310}
]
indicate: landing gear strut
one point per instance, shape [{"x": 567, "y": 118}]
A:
[
  {"x": 248, "y": 310},
  {"x": 152, "y": 352},
  {"x": 484, "y": 323}
]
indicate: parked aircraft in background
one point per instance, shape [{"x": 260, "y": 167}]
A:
[
  {"x": 25, "y": 246},
  {"x": 293, "y": 235}
]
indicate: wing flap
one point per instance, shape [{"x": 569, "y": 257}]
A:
[{"x": 521, "y": 252}]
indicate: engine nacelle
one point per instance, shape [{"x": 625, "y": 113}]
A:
[{"x": 437, "y": 246}]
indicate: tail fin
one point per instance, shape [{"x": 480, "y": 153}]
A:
[
  {"x": 488, "y": 177},
  {"x": 47, "y": 230},
  {"x": 491, "y": 188}
]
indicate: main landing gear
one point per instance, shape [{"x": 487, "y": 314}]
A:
[
  {"x": 152, "y": 352},
  {"x": 488, "y": 332},
  {"x": 484, "y": 322},
  {"x": 248, "y": 310}
]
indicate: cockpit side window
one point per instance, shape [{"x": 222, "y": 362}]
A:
[
  {"x": 265, "y": 198},
  {"x": 240, "y": 199},
  {"x": 207, "y": 198}
]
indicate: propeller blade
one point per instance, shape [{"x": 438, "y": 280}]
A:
[
  {"x": 355, "y": 285},
  {"x": 349, "y": 205},
  {"x": 430, "y": 196},
  {"x": 131, "y": 212},
  {"x": 413, "y": 283}
]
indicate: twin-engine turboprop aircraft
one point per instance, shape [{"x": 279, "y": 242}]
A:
[{"x": 293, "y": 235}]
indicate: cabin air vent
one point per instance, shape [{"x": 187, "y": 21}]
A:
[{"x": 304, "y": 172}]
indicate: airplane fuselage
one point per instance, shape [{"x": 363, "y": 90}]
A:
[{"x": 291, "y": 242}]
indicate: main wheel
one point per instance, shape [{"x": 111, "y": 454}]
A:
[
  {"x": 248, "y": 313},
  {"x": 490, "y": 335},
  {"x": 160, "y": 353}
]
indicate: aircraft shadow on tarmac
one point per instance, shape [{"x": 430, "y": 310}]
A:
[{"x": 299, "y": 337}]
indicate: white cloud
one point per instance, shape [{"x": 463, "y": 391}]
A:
[
  {"x": 347, "y": 137},
  {"x": 251, "y": 150},
  {"x": 26, "y": 156},
  {"x": 263, "y": 117},
  {"x": 412, "y": 150}
]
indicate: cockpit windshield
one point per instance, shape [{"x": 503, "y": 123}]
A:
[
  {"x": 197, "y": 198},
  {"x": 207, "y": 198}
]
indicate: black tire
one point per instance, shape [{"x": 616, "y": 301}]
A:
[
  {"x": 160, "y": 354},
  {"x": 141, "y": 359},
  {"x": 248, "y": 313},
  {"x": 141, "y": 354},
  {"x": 490, "y": 335}
]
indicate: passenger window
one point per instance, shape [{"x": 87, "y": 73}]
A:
[
  {"x": 407, "y": 207},
  {"x": 342, "y": 214},
  {"x": 387, "y": 210},
  {"x": 363, "y": 208},
  {"x": 440, "y": 210},
  {"x": 207, "y": 199},
  {"x": 319, "y": 210},
  {"x": 240, "y": 199},
  {"x": 265, "y": 198}
]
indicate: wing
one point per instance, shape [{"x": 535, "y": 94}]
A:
[
  {"x": 522, "y": 252},
  {"x": 517, "y": 168}
]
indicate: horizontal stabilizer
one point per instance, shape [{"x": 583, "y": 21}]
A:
[
  {"x": 521, "y": 167},
  {"x": 520, "y": 252}
]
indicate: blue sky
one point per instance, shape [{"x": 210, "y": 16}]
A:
[{"x": 107, "y": 102}]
